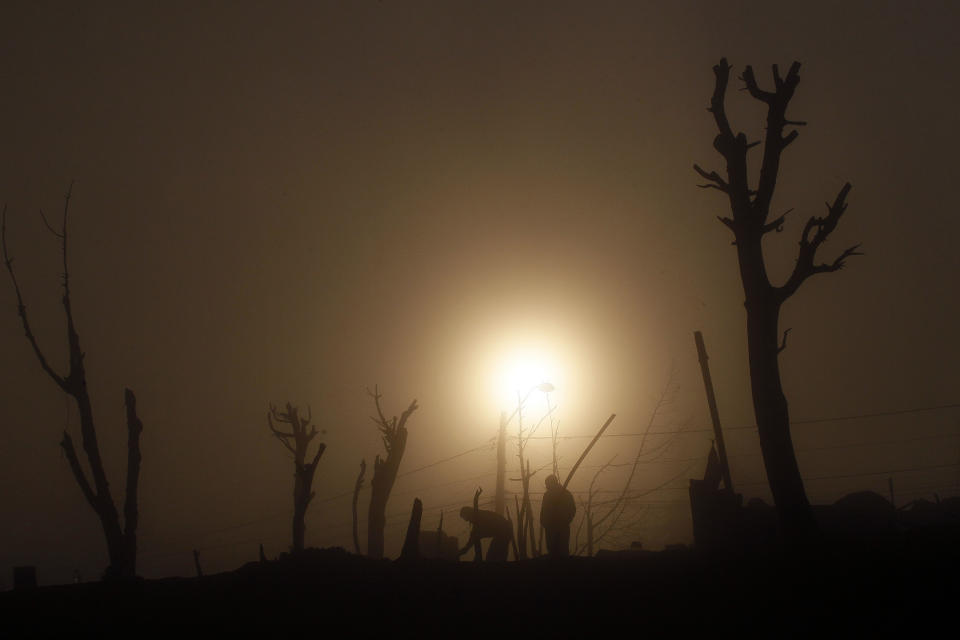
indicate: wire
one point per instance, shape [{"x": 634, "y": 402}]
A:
[
  {"x": 857, "y": 416},
  {"x": 487, "y": 444},
  {"x": 860, "y": 475}
]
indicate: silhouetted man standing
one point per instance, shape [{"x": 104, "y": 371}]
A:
[{"x": 556, "y": 514}]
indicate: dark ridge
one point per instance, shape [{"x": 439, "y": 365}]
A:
[{"x": 908, "y": 584}]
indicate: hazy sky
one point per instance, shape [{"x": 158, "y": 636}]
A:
[{"x": 301, "y": 201}]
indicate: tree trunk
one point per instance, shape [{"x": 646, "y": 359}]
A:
[
  {"x": 297, "y": 441},
  {"x": 121, "y": 545},
  {"x": 394, "y": 434},
  {"x": 299, "y": 526},
  {"x": 376, "y": 518},
  {"x": 103, "y": 501},
  {"x": 773, "y": 422},
  {"x": 750, "y": 222},
  {"x": 763, "y": 302},
  {"x": 384, "y": 476}
]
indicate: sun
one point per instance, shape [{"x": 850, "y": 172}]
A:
[{"x": 522, "y": 371}]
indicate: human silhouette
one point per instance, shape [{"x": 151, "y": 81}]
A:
[
  {"x": 488, "y": 524},
  {"x": 556, "y": 514}
]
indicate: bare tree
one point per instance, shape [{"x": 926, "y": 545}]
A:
[
  {"x": 297, "y": 441},
  {"x": 750, "y": 222},
  {"x": 394, "y": 434},
  {"x": 121, "y": 540},
  {"x": 600, "y": 526}
]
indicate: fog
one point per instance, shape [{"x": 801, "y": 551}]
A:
[{"x": 301, "y": 202}]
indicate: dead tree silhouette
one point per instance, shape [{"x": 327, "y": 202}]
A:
[
  {"x": 394, "y": 434},
  {"x": 750, "y": 222},
  {"x": 297, "y": 441},
  {"x": 121, "y": 540}
]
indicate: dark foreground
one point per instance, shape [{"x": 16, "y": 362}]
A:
[{"x": 890, "y": 588}]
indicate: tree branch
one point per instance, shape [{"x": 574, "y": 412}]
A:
[
  {"x": 755, "y": 91},
  {"x": 775, "y": 142},
  {"x": 783, "y": 343},
  {"x": 320, "y": 449},
  {"x": 76, "y": 376},
  {"x": 22, "y": 310},
  {"x": 733, "y": 147},
  {"x": 840, "y": 262},
  {"x": 722, "y": 74},
  {"x": 777, "y": 225},
  {"x": 67, "y": 445},
  {"x": 714, "y": 177},
  {"x": 49, "y": 227},
  {"x": 282, "y": 436},
  {"x": 815, "y": 233}
]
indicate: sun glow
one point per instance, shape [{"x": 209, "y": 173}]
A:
[{"x": 522, "y": 372}]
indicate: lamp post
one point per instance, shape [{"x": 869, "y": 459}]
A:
[{"x": 499, "y": 502}]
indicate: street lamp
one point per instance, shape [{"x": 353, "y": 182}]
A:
[{"x": 500, "y": 496}]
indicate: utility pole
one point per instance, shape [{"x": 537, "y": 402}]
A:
[{"x": 499, "y": 500}]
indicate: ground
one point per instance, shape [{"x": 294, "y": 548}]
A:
[{"x": 905, "y": 585}]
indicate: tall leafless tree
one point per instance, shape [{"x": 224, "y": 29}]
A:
[
  {"x": 750, "y": 222},
  {"x": 121, "y": 539},
  {"x": 297, "y": 441},
  {"x": 394, "y": 434}
]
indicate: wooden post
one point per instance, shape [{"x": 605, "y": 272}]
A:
[
  {"x": 714, "y": 414},
  {"x": 196, "y": 563},
  {"x": 411, "y": 544},
  {"x": 587, "y": 450}
]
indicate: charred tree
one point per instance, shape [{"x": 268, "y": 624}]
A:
[
  {"x": 297, "y": 440},
  {"x": 394, "y": 434},
  {"x": 750, "y": 221},
  {"x": 121, "y": 539}
]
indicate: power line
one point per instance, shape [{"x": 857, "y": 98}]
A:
[
  {"x": 865, "y": 473},
  {"x": 487, "y": 444},
  {"x": 857, "y": 416}
]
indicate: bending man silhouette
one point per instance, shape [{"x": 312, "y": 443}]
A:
[
  {"x": 556, "y": 514},
  {"x": 487, "y": 524}
]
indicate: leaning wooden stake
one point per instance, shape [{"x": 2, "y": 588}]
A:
[{"x": 587, "y": 450}]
